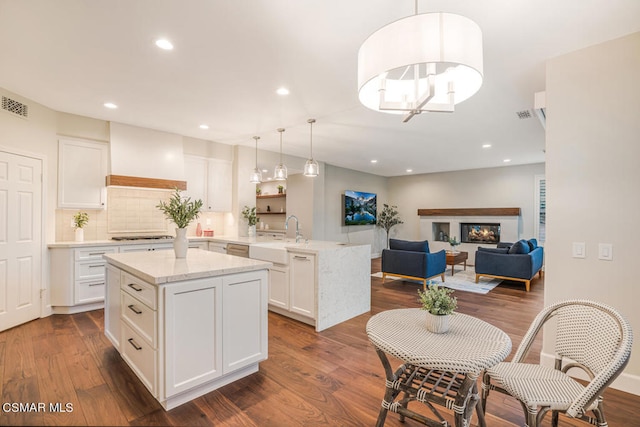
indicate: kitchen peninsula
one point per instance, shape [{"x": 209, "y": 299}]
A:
[{"x": 186, "y": 326}]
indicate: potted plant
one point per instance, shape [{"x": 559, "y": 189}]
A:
[
  {"x": 180, "y": 210},
  {"x": 252, "y": 219},
  {"x": 439, "y": 305},
  {"x": 453, "y": 241},
  {"x": 388, "y": 218},
  {"x": 280, "y": 189},
  {"x": 80, "y": 219}
]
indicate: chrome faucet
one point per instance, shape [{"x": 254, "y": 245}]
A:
[{"x": 286, "y": 227}]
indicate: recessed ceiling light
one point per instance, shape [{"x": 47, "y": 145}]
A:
[
  {"x": 486, "y": 145},
  {"x": 204, "y": 126},
  {"x": 409, "y": 170},
  {"x": 164, "y": 44},
  {"x": 282, "y": 91},
  {"x": 506, "y": 160},
  {"x": 110, "y": 105},
  {"x": 374, "y": 161}
]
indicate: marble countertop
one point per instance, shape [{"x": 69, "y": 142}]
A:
[{"x": 159, "y": 267}]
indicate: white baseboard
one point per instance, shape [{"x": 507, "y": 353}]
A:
[{"x": 625, "y": 382}]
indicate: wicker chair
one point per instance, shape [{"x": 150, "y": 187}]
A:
[{"x": 591, "y": 336}]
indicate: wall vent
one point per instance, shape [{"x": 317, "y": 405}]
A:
[
  {"x": 15, "y": 107},
  {"x": 524, "y": 114}
]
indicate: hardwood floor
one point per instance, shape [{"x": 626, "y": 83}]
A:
[{"x": 329, "y": 378}]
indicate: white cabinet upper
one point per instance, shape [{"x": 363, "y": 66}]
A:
[
  {"x": 82, "y": 168},
  {"x": 210, "y": 181}
]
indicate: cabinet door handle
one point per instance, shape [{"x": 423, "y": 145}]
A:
[
  {"x": 96, "y": 265},
  {"x": 96, "y": 284},
  {"x": 302, "y": 258},
  {"x": 133, "y": 286},
  {"x": 96, "y": 253},
  {"x": 134, "y": 309},
  {"x": 133, "y": 343}
]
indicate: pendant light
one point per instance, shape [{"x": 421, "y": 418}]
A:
[
  {"x": 280, "y": 172},
  {"x": 256, "y": 175},
  {"x": 311, "y": 167}
]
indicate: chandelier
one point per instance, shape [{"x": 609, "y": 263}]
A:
[{"x": 425, "y": 62}]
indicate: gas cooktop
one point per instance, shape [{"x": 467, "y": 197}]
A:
[{"x": 142, "y": 237}]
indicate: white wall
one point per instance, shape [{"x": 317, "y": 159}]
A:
[
  {"x": 336, "y": 181},
  {"x": 503, "y": 187},
  {"x": 593, "y": 180}
]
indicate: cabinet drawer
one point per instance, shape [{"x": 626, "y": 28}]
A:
[
  {"x": 140, "y": 317},
  {"x": 89, "y": 270},
  {"x": 143, "y": 291},
  {"x": 140, "y": 356},
  {"x": 94, "y": 253},
  {"x": 90, "y": 291}
]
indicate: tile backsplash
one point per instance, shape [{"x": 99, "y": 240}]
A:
[{"x": 130, "y": 211}]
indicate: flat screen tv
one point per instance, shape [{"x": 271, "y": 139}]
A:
[{"x": 359, "y": 208}]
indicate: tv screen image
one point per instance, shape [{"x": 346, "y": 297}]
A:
[{"x": 359, "y": 208}]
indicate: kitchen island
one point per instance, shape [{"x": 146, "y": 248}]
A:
[{"x": 186, "y": 326}]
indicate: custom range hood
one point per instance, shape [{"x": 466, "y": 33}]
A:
[{"x": 145, "y": 158}]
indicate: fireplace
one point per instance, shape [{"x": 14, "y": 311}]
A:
[{"x": 479, "y": 233}]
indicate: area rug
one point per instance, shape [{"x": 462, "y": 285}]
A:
[{"x": 461, "y": 281}]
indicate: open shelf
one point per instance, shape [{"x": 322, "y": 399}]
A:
[{"x": 271, "y": 196}]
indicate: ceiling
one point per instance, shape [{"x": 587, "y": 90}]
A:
[{"x": 231, "y": 56}]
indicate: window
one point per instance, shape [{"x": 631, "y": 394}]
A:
[{"x": 540, "y": 206}]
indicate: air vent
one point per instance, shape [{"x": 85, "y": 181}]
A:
[
  {"x": 524, "y": 114},
  {"x": 15, "y": 107}
]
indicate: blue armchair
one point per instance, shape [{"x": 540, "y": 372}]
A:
[{"x": 412, "y": 260}]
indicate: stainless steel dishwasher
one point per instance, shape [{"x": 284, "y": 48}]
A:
[{"x": 238, "y": 250}]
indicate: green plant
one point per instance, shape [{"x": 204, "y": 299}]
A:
[
  {"x": 250, "y": 215},
  {"x": 437, "y": 300},
  {"x": 388, "y": 218},
  {"x": 280, "y": 188},
  {"x": 453, "y": 241},
  {"x": 80, "y": 219},
  {"x": 180, "y": 210}
]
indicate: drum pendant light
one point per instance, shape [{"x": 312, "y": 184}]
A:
[
  {"x": 256, "y": 175},
  {"x": 280, "y": 172},
  {"x": 311, "y": 167}
]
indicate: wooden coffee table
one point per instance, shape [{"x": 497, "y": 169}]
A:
[{"x": 457, "y": 258}]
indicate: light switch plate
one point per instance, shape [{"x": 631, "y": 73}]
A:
[
  {"x": 579, "y": 250},
  {"x": 605, "y": 251}
]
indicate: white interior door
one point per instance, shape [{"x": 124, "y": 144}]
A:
[{"x": 20, "y": 239}]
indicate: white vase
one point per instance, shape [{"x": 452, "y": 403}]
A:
[
  {"x": 79, "y": 235},
  {"x": 181, "y": 243},
  {"x": 438, "y": 324},
  {"x": 251, "y": 231}
]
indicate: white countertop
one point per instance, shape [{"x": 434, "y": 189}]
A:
[{"x": 158, "y": 267}]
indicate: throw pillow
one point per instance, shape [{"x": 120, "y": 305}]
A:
[
  {"x": 504, "y": 245},
  {"x": 519, "y": 247},
  {"x": 533, "y": 243},
  {"x": 494, "y": 250},
  {"x": 405, "y": 245}
]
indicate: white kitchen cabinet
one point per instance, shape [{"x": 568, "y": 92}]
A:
[
  {"x": 146, "y": 247},
  {"x": 199, "y": 245},
  {"x": 77, "y": 278},
  {"x": 187, "y": 337},
  {"x": 302, "y": 284},
  {"x": 279, "y": 286},
  {"x": 82, "y": 168},
  {"x": 112, "y": 326},
  {"x": 209, "y": 180},
  {"x": 218, "y": 247}
]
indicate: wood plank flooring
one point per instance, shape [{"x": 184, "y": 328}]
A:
[{"x": 332, "y": 378}]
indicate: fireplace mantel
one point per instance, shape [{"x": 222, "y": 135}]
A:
[{"x": 470, "y": 212}]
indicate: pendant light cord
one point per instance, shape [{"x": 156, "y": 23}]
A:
[{"x": 311, "y": 122}]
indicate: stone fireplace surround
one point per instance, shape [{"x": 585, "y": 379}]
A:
[{"x": 508, "y": 218}]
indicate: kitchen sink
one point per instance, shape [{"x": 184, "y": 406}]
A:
[{"x": 272, "y": 251}]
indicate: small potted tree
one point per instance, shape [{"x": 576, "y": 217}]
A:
[
  {"x": 387, "y": 219},
  {"x": 439, "y": 305},
  {"x": 80, "y": 219},
  {"x": 181, "y": 211}
]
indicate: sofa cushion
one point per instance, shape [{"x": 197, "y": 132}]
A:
[
  {"x": 405, "y": 245},
  {"x": 520, "y": 247},
  {"x": 504, "y": 245},
  {"x": 495, "y": 250},
  {"x": 533, "y": 243}
]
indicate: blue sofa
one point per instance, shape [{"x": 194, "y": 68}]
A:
[
  {"x": 518, "y": 261},
  {"x": 412, "y": 260}
]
